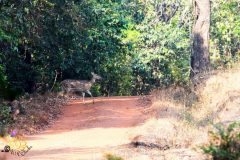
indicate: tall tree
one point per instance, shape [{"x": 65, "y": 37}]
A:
[{"x": 200, "y": 53}]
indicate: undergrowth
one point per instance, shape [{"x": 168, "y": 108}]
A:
[
  {"x": 5, "y": 118},
  {"x": 5, "y": 114},
  {"x": 224, "y": 142},
  {"x": 112, "y": 157}
]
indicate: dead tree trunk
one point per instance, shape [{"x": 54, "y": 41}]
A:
[{"x": 200, "y": 54}]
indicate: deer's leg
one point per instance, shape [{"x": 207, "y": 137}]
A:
[
  {"x": 88, "y": 92},
  {"x": 63, "y": 91},
  {"x": 66, "y": 90},
  {"x": 83, "y": 95}
]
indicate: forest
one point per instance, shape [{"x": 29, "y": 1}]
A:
[
  {"x": 135, "y": 45},
  {"x": 138, "y": 48}
]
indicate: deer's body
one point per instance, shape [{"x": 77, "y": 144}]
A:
[
  {"x": 76, "y": 85},
  {"x": 84, "y": 86}
]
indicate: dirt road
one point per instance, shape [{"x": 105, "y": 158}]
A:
[{"x": 86, "y": 131}]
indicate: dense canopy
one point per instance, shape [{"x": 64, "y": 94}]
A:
[{"x": 135, "y": 45}]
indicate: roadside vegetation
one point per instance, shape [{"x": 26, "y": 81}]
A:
[
  {"x": 138, "y": 47},
  {"x": 135, "y": 46},
  {"x": 203, "y": 124},
  {"x": 224, "y": 142}
]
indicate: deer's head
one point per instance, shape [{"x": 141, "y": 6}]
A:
[{"x": 95, "y": 76}]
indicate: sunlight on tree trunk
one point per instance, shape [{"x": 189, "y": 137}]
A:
[{"x": 200, "y": 54}]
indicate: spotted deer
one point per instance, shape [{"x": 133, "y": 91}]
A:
[{"x": 83, "y": 86}]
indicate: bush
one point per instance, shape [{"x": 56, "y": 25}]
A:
[
  {"x": 5, "y": 119},
  {"x": 112, "y": 157},
  {"x": 5, "y": 115},
  {"x": 3, "y": 130},
  {"x": 224, "y": 143}
]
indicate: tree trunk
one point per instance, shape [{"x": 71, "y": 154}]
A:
[{"x": 200, "y": 54}]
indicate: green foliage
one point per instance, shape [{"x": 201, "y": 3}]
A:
[
  {"x": 5, "y": 115},
  {"x": 3, "y": 78},
  {"x": 95, "y": 90},
  {"x": 225, "y": 32},
  {"x": 163, "y": 48},
  {"x": 135, "y": 46},
  {"x": 112, "y": 157},
  {"x": 3, "y": 131},
  {"x": 224, "y": 143},
  {"x": 70, "y": 37}
]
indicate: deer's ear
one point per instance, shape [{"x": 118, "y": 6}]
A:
[{"x": 92, "y": 73}]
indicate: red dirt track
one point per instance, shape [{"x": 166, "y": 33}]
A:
[{"x": 86, "y": 131}]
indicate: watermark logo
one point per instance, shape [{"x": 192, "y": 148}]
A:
[{"x": 14, "y": 144}]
